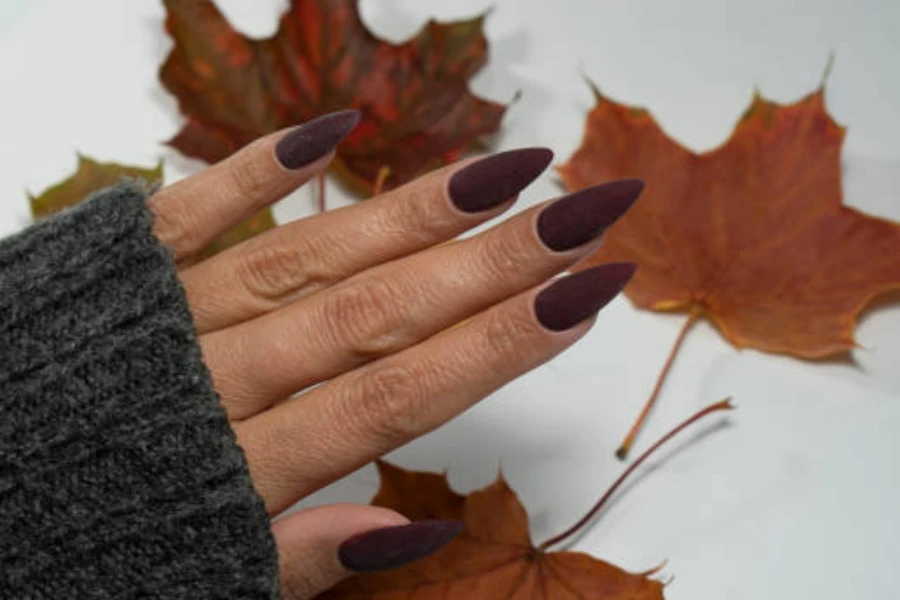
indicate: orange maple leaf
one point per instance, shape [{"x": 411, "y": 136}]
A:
[
  {"x": 752, "y": 235},
  {"x": 494, "y": 557},
  {"x": 417, "y": 111}
]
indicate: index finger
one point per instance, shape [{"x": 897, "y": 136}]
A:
[{"x": 194, "y": 211}]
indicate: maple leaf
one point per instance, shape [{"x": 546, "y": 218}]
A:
[
  {"x": 89, "y": 177},
  {"x": 92, "y": 176},
  {"x": 752, "y": 235},
  {"x": 494, "y": 556},
  {"x": 417, "y": 111}
]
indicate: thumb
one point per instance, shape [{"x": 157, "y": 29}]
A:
[{"x": 319, "y": 547}]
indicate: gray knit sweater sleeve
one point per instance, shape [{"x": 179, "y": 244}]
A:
[{"x": 119, "y": 474}]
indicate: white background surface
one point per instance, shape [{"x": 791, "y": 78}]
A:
[{"x": 797, "y": 496}]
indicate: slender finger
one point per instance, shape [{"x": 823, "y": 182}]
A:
[
  {"x": 395, "y": 305},
  {"x": 303, "y": 257},
  {"x": 194, "y": 211},
  {"x": 319, "y": 547},
  {"x": 303, "y": 444}
]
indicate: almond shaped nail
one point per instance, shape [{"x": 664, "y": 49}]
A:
[
  {"x": 492, "y": 181},
  {"x": 314, "y": 139},
  {"x": 570, "y": 300},
  {"x": 392, "y": 547},
  {"x": 582, "y": 216}
]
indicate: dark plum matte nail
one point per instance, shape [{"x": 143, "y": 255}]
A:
[
  {"x": 314, "y": 139},
  {"x": 571, "y": 300},
  {"x": 493, "y": 180},
  {"x": 393, "y": 547},
  {"x": 580, "y": 217}
]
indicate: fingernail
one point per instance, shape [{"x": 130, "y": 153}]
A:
[
  {"x": 580, "y": 217},
  {"x": 392, "y": 547},
  {"x": 493, "y": 180},
  {"x": 314, "y": 139},
  {"x": 572, "y": 299}
]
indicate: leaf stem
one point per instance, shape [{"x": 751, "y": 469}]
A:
[
  {"x": 320, "y": 188},
  {"x": 383, "y": 173},
  {"x": 720, "y": 405},
  {"x": 625, "y": 448}
]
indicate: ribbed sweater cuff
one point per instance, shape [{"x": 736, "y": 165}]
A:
[{"x": 120, "y": 476}]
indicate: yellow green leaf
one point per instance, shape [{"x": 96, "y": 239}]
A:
[
  {"x": 87, "y": 179},
  {"x": 91, "y": 176}
]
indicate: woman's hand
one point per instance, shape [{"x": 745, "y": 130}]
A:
[{"x": 402, "y": 330}]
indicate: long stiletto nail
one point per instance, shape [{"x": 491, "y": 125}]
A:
[
  {"x": 580, "y": 217},
  {"x": 571, "y": 300},
  {"x": 392, "y": 547},
  {"x": 493, "y": 180},
  {"x": 314, "y": 139}
]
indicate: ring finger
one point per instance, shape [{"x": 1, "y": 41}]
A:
[{"x": 301, "y": 445}]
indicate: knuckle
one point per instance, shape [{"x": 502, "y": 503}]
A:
[
  {"x": 391, "y": 400},
  {"x": 173, "y": 223},
  {"x": 415, "y": 217},
  {"x": 270, "y": 272},
  {"x": 303, "y": 583},
  {"x": 505, "y": 336},
  {"x": 365, "y": 317},
  {"x": 246, "y": 174},
  {"x": 504, "y": 255}
]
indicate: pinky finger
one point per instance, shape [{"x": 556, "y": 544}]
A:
[{"x": 321, "y": 546}]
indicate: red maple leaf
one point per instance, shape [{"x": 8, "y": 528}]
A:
[{"x": 417, "y": 110}]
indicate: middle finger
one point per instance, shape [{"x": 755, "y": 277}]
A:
[
  {"x": 309, "y": 255},
  {"x": 395, "y": 305}
]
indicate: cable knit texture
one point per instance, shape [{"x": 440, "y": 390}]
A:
[{"x": 120, "y": 476}]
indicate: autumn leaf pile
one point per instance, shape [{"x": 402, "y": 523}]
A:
[{"x": 752, "y": 235}]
